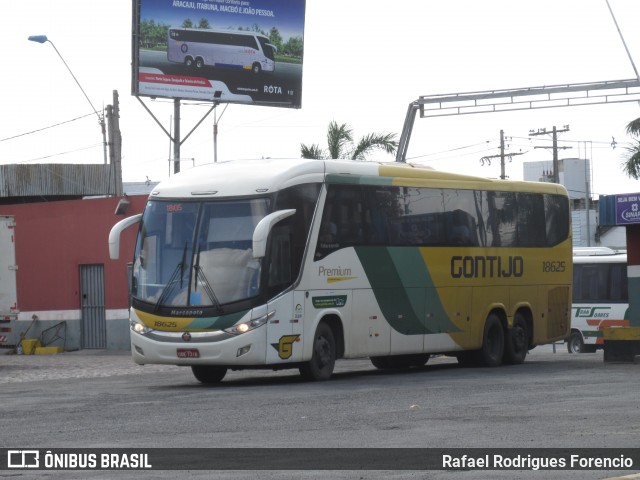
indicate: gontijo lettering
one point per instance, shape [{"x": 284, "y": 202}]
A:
[{"x": 486, "y": 266}]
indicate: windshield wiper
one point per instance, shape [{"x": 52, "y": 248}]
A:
[
  {"x": 173, "y": 279},
  {"x": 206, "y": 285}
]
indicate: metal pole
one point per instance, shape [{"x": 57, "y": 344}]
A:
[
  {"x": 215, "y": 138},
  {"x": 502, "y": 172},
  {"x": 176, "y": 135},
  {"x": 43, "y": 39},
  {"x": 623, "y": 42}
]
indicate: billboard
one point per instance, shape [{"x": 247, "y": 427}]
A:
[
  {"x": 627, "y": 208},
  {"x": 228, "y": 51}
]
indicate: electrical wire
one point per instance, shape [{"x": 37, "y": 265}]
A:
[
  {"x": 451, "y": 150},
  {"x": 61, "y": 153},
  {"x": 46, "y": 128}
]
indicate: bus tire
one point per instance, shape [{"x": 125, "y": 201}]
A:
[
  {"x": 208, "y": 374},
  {"x": 256, "y": 68},
  {"x": 575, "y": 344},
  {"x": 188, "y": 62},
  {"x": 516, "y": 343},
  {"x": 323, "y": 358},
  {"x": 199, "y": 63},
  {"x": 490, "y": 355}
]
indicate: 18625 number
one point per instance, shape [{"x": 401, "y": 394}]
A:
[{"x": 553, "y": 267}]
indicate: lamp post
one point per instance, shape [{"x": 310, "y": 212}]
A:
[{"x": 44, "y": 39}]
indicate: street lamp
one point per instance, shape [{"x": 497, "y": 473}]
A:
[{"x": 43, "y": 39}]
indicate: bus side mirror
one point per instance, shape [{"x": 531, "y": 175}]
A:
[
  {"x": 261, "y": 232},
  {"x": 116, "y": 230}
]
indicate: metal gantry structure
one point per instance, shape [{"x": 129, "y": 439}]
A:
[{"x": 508, "y": 100}]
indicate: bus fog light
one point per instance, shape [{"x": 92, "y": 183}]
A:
[{"x": 243, "y": 350}]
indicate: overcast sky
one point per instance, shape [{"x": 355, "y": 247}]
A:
[{"x": 365, "y": 61}]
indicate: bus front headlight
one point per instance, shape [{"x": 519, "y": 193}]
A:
[
  {"x": 246, "y": 326},
  {"x": 138, "y": 327}
]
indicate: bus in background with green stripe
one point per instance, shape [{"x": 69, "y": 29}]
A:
[
  {"x": 297, "y": 263},
  {"x": 600, "y": 296}
]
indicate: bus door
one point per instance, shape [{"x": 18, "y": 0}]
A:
[
  {"x": 284, "y": 330},
  {"x": 369, "y": 332}
]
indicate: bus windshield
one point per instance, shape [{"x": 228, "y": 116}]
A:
[{"x": 197, "y": 253}]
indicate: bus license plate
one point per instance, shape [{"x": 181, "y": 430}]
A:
[{"x": 188, "y": 353}]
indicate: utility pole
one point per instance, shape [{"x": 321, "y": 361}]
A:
[
  {"x": 114, "y": 176},
  {"x": 501, "y": 156},
  {"x": 554, "y": 133},
  {"x": 116, "y": 145}
]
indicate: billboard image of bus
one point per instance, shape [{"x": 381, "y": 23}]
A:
[
  {"x": 221, "y": 48},
  {"x": 223, "y": 51},
  {"x": 600, "y": 296},
  {"x": 297, "y": 263}
]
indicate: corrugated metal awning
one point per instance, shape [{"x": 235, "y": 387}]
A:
[{"x": 55, "y": 179}]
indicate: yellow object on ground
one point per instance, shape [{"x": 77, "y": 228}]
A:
[
  {"x": 48, "y": 350},
  {"x": 29, "y": 345}
]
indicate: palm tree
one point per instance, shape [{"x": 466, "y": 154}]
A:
[
  {"x": 631, "y": 166},
  {"x": 340, "y": 144}
]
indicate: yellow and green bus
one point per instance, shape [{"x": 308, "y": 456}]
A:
[{"x": 296, "y": 263}]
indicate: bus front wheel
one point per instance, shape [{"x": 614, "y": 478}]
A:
[
  {"x": 208, "y": 374},
  {"x": 256, "y": 68},
  {"x": 575, "y": 344},
  {"x": 323, "y": 358}
]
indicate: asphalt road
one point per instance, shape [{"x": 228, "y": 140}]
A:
[{"x": 99, "y": 399}]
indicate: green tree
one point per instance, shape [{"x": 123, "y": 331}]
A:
[
  {"x": 275, "y": 38},
  {"x": 631, "y": 165},
  {"x": 204, "y": 23},
  {"x": 293, "y": 47},
  {"x": 340, "y": 144}
]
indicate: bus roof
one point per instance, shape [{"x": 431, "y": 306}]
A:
[
  {"x": 268, "y": 175},
  {"x": 598, "y": 255},
  {"x": 596, "y": 252}
]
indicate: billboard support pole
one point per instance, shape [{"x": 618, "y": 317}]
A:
[
  {"x": 176, "y": 135},
  {"x": 175, "y": 138}
]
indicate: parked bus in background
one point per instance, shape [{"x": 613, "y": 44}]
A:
[
  {"x": 600, "y": 296},
  {"x": 296, "y": 263},
  {"x": 221, "y": 48}
]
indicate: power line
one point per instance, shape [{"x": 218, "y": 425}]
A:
[
  {"x": 61, "y": 153},
  {"x": 450, "y": 150},
  {"x": 45, "y": 128}
]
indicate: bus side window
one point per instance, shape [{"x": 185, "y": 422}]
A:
[
  {"x": 618, "y": 285},
  {"x": 280, "y": 273}
]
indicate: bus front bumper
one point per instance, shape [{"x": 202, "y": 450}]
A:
[{"x": 232, "y": 350}]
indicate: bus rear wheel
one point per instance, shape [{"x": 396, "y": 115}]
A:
[
  {"x": 188, "y": 61},
  {"x": 516, "y": 343},
  {"x": 490, "y": 355},
  {"x": 323, "y": 358},
  {"x": 208, "y": 374}
]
